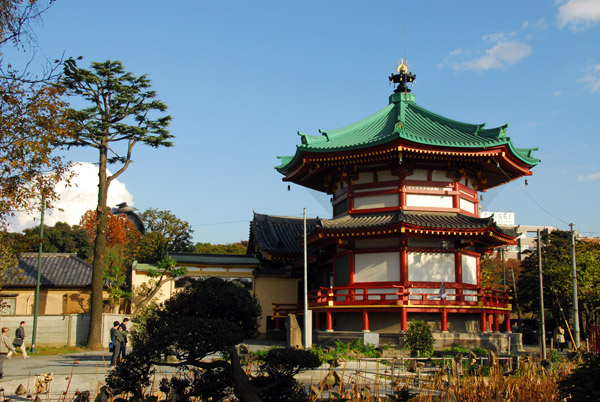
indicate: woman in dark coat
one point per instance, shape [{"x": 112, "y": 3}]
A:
[{"x": 117, "y": 339}]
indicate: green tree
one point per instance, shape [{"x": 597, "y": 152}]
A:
[
  {"x": 166, "y": 269},
  {"x": 231, "y": 248},
  {"x": 557, "y": 269},
  {"x": 60, "y": 238},
  {"x": 211, "y": 316},
  {"x": 177, "y": 233},
  {"x": 419, "y": 338},
  {"x": 123, "y": 110}
]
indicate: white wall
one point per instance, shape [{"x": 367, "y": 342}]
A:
[
  {"x": 433, "y": 201},
  {"x": 431, "y": 267},
  {"x": 469, "y": 269},
  {"x": 377, "y": 267},
  {"x": 376, "y": 201}
]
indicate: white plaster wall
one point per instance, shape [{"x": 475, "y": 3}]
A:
[
  {"x": 377, "y": 267},
  {"x": 467, "y": 206},
  {"x": 434, "y": 201},
  {"x": 364, "y": 177},
  {"x": 366, "y": 190},
  {"x": 428, "y": 243},
  {"x": 385, "y": 175},
  {"x": 377, "y": 243},
  {"x": 431, "y": 267},
  {"x": 440, "y": 175},
  {"x": 469, "y": 269},
  {"x": 470, "y": 292},
  {"x": 376, "y": 201},
  {"x": 418, "y": 174}
]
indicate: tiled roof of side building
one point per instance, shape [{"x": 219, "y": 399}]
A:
[
  {"x": 431, "y": 220},
  {"x": 404, "y": 119},
  {"x": 58, "y": 270},
  {"x": 280, "y": 233}
]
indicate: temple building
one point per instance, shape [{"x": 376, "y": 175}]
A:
[{"x": 406, "y": 238}]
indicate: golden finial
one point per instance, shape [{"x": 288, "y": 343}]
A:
[{"x": 402, "y": 67}]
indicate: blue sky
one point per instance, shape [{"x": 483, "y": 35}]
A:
[{"x": 241, "y": 78}]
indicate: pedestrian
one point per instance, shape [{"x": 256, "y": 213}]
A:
[
  {"x": 117, "y": 339},
  {"x": 559, "y": 338},
  {"x": 19, "y": 341},
  {"x": 124, "y": 332},
  {"x": 5, "y": 347}
]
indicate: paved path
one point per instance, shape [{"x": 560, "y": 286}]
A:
[{"x": 87, "y": 371}]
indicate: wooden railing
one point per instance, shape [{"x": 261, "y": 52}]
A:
[{"x": 282, "y": 310}]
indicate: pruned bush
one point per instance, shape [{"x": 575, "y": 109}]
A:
[{"x": 419, "y": 338}]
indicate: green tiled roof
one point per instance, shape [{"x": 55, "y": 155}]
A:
[{"x": 418, "y": 125}]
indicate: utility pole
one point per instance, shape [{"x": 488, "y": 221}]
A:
[
  {"x": 307, "y": 312},
  {"x": 503, "y": 270},
  {"x": 37, "y": 286},
  {"x": 542, "y": 315},
  {"x": 575, "y": 302}
]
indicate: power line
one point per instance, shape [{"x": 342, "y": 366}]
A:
[{"x": 527, "y": 194}]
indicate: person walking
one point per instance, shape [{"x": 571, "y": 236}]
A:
[
  {"x": 124, "y": 332},
  {"x": 117, "y": 339},
  {"x": 19, "y": 341},
  {"x": 5, "y": 347},
  {"x": 559, "y": 338}
]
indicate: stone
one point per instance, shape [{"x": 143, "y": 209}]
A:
[{"x": 294, "y": 333}]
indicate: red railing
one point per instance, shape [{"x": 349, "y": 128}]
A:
[{"x": 394, "y": 295}]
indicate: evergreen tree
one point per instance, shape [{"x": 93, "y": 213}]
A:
[{"x": 123, "y": 111}]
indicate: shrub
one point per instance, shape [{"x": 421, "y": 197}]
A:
[
  {"x": 419, "y": 338},
  {"x": 582, "y": 385},
  {"x": 478, "y": 350},
  {"x": 456, "y": 349}
]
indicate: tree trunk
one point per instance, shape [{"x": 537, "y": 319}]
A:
[
  {"x": 243, "y": 388},
  {"x": 94, "y": 340}
]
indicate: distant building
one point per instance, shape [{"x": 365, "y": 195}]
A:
[{"x": 65, "y": 285}]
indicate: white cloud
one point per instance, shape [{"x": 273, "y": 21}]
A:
[
  {"x": 589, "y": 177},
  {"x": 498, "y": 57},
  {"x": 579, "y": 14},
  {"x": 75, "y": 200},
  {"x": 558, "y": 93},
  {"x": 591, "y": 79}
]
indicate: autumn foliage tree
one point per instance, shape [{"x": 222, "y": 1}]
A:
[
  {"x": 33, "y": 118},
  {"x": 119, "y": 230}
]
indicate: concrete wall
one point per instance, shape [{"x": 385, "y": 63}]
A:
[
  {"x": 499, "y": 342},
  {"x": 59, "y": 330}
]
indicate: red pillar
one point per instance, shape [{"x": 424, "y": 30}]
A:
[
  {"x": 404, "y": 319},
  {"x": 317, "y": 319},
  {"x": 507, "y": 326},
  {"x": 328, "y": 322},
  {"x": 496, "y": 322},
  {"x": 365, "y": 321},
  {"x": 276, "y": 323},
  {"x": 483, "y": 322},
  {"x": 490, "y": 321},
  {"x": 444, "y": 320}
]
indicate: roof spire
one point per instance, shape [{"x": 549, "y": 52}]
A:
[{"x": 402, "y": 77}]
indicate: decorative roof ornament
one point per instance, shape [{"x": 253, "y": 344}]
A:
[{"x": 402, "y": 77}]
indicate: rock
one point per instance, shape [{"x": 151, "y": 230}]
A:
[
  {"x": 21, "y": 390},
  {"x": 294, "y": 333}
]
